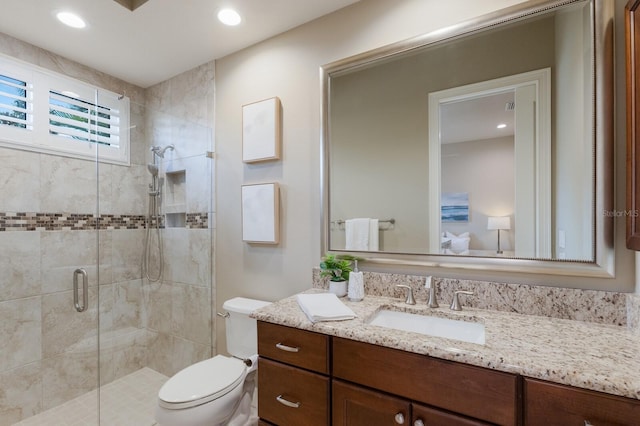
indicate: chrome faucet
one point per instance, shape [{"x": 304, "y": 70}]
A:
[
  {"x": 409, "y": 300},
  {"x": 455, "y": 303},
  {"x": 433, "y": 288}
]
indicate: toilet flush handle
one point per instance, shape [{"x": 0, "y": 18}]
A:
[{"x": 223, "y": 315}]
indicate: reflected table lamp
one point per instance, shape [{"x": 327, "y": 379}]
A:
[{"x": 497, "y": 224}]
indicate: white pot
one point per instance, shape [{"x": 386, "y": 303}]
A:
[{"x": 339, "y": 288}]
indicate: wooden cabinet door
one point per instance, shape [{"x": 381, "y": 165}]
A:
[
  {"x": 553, "y": 404},
  {"x": 433, "y": 417},
  {"x": 471, "y": 391},
  {"x": 632, "y": 26},
  {"x": 290, "y": 396},
  {"x": 357, "y": 406}
]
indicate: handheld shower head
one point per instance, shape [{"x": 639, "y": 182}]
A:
[
  {"x": 153, "y": 169},
  {"x": 159, "y": 151}
]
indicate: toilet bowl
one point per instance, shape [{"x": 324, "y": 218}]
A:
[{"x": 219, "y": 390}]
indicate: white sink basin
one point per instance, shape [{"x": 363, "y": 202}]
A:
[{"x": 465, "y": 331}]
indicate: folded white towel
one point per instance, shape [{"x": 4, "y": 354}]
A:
[
  {"x": 324, "y": 307},
  {"x": 357, "y": 234}
]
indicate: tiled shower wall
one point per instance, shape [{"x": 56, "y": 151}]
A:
[
  {"x": 48, "y": 351},
  {"x": 180, "y": 308}
]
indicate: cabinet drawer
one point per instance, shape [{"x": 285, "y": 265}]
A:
[
  {"x": 282, "y": 386},
  {"x": 293, "y": 346},
  {"x": 476, "y": 392},
  {"x": 434, "y": 417},
  {"x": 550, "y": 403},
  {"x": 354, "y": 405}
]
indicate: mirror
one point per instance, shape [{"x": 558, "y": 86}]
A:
[{"x": 487, "y": 145}]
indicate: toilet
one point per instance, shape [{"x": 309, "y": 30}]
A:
[{"x": 219, "y": 390}]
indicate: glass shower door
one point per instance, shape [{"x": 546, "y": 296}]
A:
[
  {"x": 49, "y": 241},
  {"x": 156, "y": 269}
]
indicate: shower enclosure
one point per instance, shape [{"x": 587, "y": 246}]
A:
[
  {"x": 84, "y": 307},
  {"x": 153, "y": 235}
]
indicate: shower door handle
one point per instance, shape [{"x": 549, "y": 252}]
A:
[{"x": 85, "y": 290}]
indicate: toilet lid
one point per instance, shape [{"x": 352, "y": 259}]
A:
[{"x": 202, "y": 382}]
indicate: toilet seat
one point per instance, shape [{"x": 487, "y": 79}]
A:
[{"x": 202, "y": 382}]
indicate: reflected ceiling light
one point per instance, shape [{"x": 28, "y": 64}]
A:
[
  {"x": 229, "y": 17},
  {"x": 501, "y": 126},
  {"x": 71, "y": 19}
]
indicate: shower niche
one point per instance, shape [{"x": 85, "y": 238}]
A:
[{"x": 175, "y": 198}]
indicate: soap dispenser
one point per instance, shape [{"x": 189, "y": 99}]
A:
[{"x": 356, "y": 284}]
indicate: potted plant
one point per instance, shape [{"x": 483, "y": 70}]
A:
[{"x": 337, "y": 269}]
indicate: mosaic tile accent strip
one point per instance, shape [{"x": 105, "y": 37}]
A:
[
  {"x": 28, "y": 221},
  {"x": 197, "y": 220}
]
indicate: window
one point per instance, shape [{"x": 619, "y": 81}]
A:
[
  {"x": 13, "y": 102},
  {"x": 48, "y": 112}
]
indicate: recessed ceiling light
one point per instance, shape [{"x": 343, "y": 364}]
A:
[
  {"x": 229, "y": 17},
  {"x": 501, "y": 126},
  {"x": 71, "y": 19}
]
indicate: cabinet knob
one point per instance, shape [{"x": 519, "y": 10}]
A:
[
  {"x": 399, "y": 418},
  {"x": 587, "y": 423},
  {"x": 418, "y": 422}
]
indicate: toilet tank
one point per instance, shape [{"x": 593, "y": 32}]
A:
[{"x": 241, "y": 331}]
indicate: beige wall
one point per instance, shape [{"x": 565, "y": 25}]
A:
[
  {"x": 287, "y": 66},
  {"x": 484, "y": 170}
]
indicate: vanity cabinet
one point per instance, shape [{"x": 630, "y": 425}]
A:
[
  {"x": 293, "y": 376},
  {"x": 357, "y": 405},
  {"x": 448, "y": 392},
  {"x": 551, "y": 403},
  {"x": 307, "y": 378}
]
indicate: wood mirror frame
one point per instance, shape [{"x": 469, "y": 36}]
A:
[{"x": 632, "y": 35}]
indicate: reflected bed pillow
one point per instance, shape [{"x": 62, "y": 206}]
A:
[
  {"x": 461, "y": 253},
  {"x": 459, "y": 243}
]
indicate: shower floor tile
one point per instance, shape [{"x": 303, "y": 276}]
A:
[{"x": 128, "y": 401}]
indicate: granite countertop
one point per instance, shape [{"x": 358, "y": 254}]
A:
[{"x": 592, "y": 356}]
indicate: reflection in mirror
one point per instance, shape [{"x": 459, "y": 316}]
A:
[
  {"x": 499, "y": 155},
  {"x": 426, "y": 147}
]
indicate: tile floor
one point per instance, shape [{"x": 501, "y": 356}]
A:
[{"x": 128, "y": 401}]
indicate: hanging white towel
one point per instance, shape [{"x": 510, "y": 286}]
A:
[
  {"x": 324, "y": 307},
  {"x": 374, "y": 231},
  {"x": 357, "y": 234}
]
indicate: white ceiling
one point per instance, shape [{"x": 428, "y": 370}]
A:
[
  {"x": 477, "y": 118},
  {"x": 160, "y": 39}
]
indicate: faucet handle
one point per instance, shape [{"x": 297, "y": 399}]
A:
[
  {"x": 455, "y": 304},
  {"x": 409, "y": 300},
  {"x": 432, "y": 286}
]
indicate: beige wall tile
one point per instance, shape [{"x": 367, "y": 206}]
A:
[
  {"x": 20, "y": 270},
  {"x": 20, "y": 332},
  {"x": 191, "y": 313},
  {"x": 20, "y": 177},
  {"x": 21, "y": 395},
  {"x": 64, "y": 330}
]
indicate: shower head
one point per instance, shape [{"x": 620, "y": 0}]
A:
[
  {"x": 153, "y": 169},
  {"x": 159, "y": 151}
]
